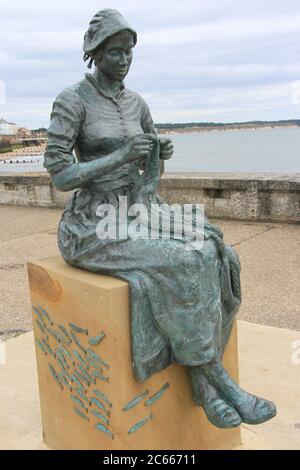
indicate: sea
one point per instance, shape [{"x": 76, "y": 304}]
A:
[{"x": 245, "y": 151}]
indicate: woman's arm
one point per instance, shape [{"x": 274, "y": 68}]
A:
[
  {"x": 77, "y": 174},
  {"x": 148, "y": 126},
  {"x": 67, "y": 116}
]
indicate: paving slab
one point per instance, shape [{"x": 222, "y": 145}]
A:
[
  {"x": 270, "y": 258},
  {"x": 267, "y": 368}
]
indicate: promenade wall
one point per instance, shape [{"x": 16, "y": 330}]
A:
[{"x": 239, "y": 196}]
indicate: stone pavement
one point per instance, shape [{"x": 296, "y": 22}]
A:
[
  {"x": 270, "y": 258},
  {"x": 270, "y": 279},
  {"x": 266, "y": 368}
]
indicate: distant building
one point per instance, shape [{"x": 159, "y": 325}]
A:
[
  {"x": 5, "y": 140},
  {"x": 8, "y": 128},
  {"x": 24, "y": 133},
  {"x": 39, "y": 134}
]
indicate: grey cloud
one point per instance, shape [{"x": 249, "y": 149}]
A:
[{"x": 195, "y": 60}]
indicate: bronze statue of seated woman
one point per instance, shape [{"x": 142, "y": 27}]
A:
[{"x": 183, "y": 301}]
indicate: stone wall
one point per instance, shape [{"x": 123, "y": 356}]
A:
[
  {"x": 274, "y": 197},
  {"x": 30, "y": 189},
  {"x": 270, "y": 197}
]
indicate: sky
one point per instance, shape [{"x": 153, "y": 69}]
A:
[{"x": 195, "y": 60}]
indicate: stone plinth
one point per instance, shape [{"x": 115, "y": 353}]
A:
[{"x": 76, "y": 403}]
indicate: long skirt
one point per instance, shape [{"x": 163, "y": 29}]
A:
[{"x": 182, "y": 302}]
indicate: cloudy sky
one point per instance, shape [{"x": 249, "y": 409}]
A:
[{"x": 195, "y": 60}]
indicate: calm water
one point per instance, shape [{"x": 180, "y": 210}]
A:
[
  {"x": 35, "y": 163},
  {"x": 264, "y": 150}
]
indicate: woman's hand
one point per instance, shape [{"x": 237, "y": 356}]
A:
[
  {"x": 166, "y": 148},
  {"x": 138, "y": 147}
]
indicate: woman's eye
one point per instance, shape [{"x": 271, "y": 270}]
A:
[{"x": 114, "y": 52}]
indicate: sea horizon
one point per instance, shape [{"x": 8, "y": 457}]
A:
[{"x": 271, "y": 150}]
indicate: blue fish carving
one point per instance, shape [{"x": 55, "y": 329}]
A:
[
  {"x": 100, "y": 405},
  {"x": 140, "y": 424},
  {"x": 80, "y": 413},
  {"x": 74, "y": 337},
  {"x": 157, "y": 395},
  {"x": 78, "y": 329},
  {"x": 65, "y": 332},
  {"x": 104, "y": 429},
  {"x": 100, "y": 416},
  {"x": 97, "y": 339},
  {"x": 135, "y": 401},
  {"x": 102, "y": 396},
  {"x": 45, "y": 314}
]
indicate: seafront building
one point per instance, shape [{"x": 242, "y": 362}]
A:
[
  {"x": 8, "y": 128},
  {"x": 19, "y": 141}
]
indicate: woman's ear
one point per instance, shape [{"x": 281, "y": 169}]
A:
[{"x": 98, "y": 55}]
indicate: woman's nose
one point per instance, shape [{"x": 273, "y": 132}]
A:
[{"x": 123, "y": 59}]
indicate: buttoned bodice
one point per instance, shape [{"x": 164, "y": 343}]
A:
[
  {"x": 109, "y": 121},
  {"x": 86, "y": 119}
]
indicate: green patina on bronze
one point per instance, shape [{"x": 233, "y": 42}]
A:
[
  {"x": 81, "y": 394},
  {"x": 85, "y": 373},
  {"x": 62, "y": 359},
  {"x": 140, "y": 424},
  {"x": 78, "y": 329},
  {"x": 80, "y": 413},
  {"x": 40, "y": 326},
  {"x": 100, "y": 416},
  {"x": 66, "y": 375},
  {"x": 95, "y": 357},
  {"x": 102, "y": 428},
  {"x": 97, "y": 375},
  {"x": 63, "y": 379},
  {"x": 74, "y": 337},
  {"x": 55, "y": 376},
  {"x": 45, "y": 314},
  {"x": 82, "y": 378},
  {"x": 80, "y": 359},
  {"x": 65, "y": 332},
  {"x": 95, "y": 365},
  {"x": 97, "y": 339},
  {"x": 53, "y": 333},
  {"x": 65, "y": 352},
  {"x": 183, "y": 301},
  {"x": 102, "y": 396},
  {"x": 100, "y": 405},
  {"x": 61, "y": 364},
  {"x": 48, "y": 348},
  {"x": 157, "y": 395},
  {"x": 41, "y": 346},
  {"x": 38, "y": 313},
  {"x": 135, "y": 401},
  {"x": 78, "y": 402},
  {"x": 75, "y": 380}
]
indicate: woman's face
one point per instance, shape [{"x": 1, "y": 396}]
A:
[{"x": 116, "y": 56}]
